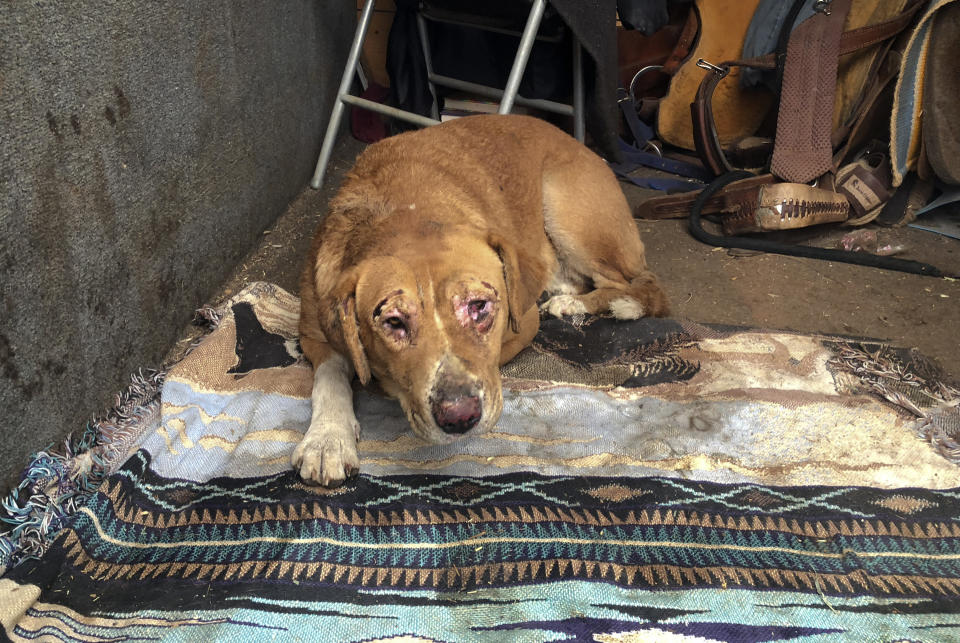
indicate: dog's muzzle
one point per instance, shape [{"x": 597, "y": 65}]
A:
[
  {"x": 458, "y": 414},
  {"x": 456, "y": 403}
]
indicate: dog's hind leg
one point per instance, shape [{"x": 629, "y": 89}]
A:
[
  {"x": 599, "y": 252},
  {"x": 641, "y": 297}
]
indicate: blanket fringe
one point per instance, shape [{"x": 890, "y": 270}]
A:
[
  {"x": 58, "y": 482},
  {"x": 208, "y": 316},
  {"x": 915, "y": 385}
]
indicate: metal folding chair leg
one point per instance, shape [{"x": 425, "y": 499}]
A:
[
  {"x": 507, "y": 96},
  {"x": 337, "y": 115},
  {"x": 523, "y": 54},
  {"x": 344, "y": 97},
  {"x": 579, "y": 123}
]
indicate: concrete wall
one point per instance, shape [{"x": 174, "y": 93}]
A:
[{"x": 143, "y": 148}]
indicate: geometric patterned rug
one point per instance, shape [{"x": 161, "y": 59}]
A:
[{"x": 656, "y": 480}]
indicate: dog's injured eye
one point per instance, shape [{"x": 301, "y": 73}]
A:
[
  {"x": 479, "y": 309},
  {"x": 395, "y": 324},
  {"x": 475, "y": 312}
]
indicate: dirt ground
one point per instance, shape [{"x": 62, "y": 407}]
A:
[{"x": 709, "y": 284}]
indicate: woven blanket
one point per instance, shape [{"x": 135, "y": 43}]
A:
[{"x": 656, "y": 480}]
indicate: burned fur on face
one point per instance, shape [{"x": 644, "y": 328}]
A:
[{"x": 436, "y": 346}]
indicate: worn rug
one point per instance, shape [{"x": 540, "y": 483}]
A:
[{"x": 657, "y": 480}]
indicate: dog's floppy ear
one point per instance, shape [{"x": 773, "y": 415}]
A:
[
  {"x": 522, "y": 274},
  {"x": 345, "y": 301}
]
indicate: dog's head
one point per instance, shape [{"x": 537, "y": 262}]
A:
[{"x": 428, "y": 323}]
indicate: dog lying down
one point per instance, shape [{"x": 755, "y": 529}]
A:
[{"x": 426, "y": 272}]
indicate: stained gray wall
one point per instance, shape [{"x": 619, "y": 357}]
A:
[{"x": 143, "y": 148}]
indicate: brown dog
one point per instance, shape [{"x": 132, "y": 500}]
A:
[{"x": 426, "y": 271}]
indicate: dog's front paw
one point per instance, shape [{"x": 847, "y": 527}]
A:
[
  {"x": 560, "y": 305},
  {"x": 327, "y": 457}
]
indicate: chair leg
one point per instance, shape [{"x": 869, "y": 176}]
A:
[
  {"x": 333, "y": 126},
  {"x": 523, "y": 53},
  {"x": 579, "y": 127}
]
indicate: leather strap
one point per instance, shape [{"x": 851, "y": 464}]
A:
[
  {"x": 863, "y": 37},
  {"x": 880, "y": 75},
  {"x": 733, "y": 198},
  {"x": 850, "y": 41},
  {"x": 802, "y": 148},
  {"x": 705, "y": 137},
  {"x": 688, "y": 35}
]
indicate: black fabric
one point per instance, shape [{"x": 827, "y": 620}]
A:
[
  {"x": 406, "y": 65},
  {"x": 895, "y": 210},
  {"x": 509, "y": 15},
  {"x": 256, "y": 346},
  {"x": 486, "y": 57},
  {"x": 646, "y": 16},
  {"x": 603, "y": 341},
  {"x": 592, "y": 21}
]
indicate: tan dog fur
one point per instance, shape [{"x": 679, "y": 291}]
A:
[{"x": 426, "y": 271}]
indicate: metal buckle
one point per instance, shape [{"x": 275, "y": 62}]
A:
[
  {"x": 636, "y": 77},
  {"x": 703, "y": 64},
  {"x": 822, "y": 6}
]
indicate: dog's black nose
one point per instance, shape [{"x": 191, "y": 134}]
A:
[{"x": 458, "y": 414}]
